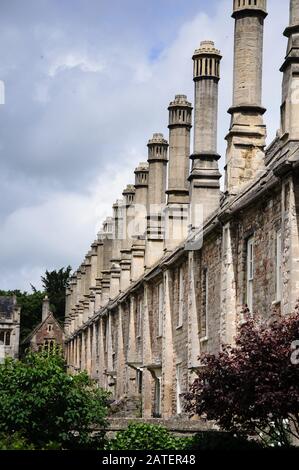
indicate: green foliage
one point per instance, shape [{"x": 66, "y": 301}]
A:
[
  {"x": 221, "y": 441},
  {"x": 47, "y": 406},
  {"x": 14, "y": 442},
  {"x": 55, "y": 283},
  {"x": 142, "y": 436}
]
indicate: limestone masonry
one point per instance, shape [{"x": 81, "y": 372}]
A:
[
  {"x": 9, "y": 327},
  {"x": 47, "y": 335},
  {"x": 170, "y": 273}
]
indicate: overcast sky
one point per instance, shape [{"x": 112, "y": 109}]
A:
[{"x": 87, "y": 83}]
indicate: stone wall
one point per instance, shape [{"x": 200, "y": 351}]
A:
[
  {"x": 248, "y": 258},
  {"x": 219, "y": 273}
]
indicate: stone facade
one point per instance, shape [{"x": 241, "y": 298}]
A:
[
  {"x": 9, "y": 327},
  {"x": 139, "y": 329},
  {"x": 47, "y": 335}
]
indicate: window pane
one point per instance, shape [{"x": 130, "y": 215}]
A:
[
  {"x": 160, "y": 308},
  {"x": 278, "y": 265},
  {"x": 7, "y": 338},
  {"x": 250, "y": 272},
  {"x": 181, "y": 297},
  {"x": 178, "y": 389},
  {"x": 205, "y": 304}
]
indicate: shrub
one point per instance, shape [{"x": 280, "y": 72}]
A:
[
  {"x": 252, "y": 389},
  {"x": 48, "y": 407},
  {"x": 142, "y": 436},
  {"x": 14, "y": 442}
]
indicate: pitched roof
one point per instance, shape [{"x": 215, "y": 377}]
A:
[{"x": 39, "y": 326}]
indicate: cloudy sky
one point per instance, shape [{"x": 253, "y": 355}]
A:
[{"x": 87, "y": 82}]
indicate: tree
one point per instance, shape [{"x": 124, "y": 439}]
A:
[
  {"x": 55, "y": 284},
  {"x": 252, "y": 389},
  {"x": 44, "y": 405}
]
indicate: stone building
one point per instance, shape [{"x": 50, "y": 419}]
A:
[
  {"x": 9, "y": 327},
  {"x": 46, "y": 335},
  {"x": 162, "y": 285}
]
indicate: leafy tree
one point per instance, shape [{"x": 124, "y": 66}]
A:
[
  {"x": 252, "y": 389},
  {"x": 48, "y": 407},
  {"x": 55, "y": 283},
  {"x": 141, "y": 436}
]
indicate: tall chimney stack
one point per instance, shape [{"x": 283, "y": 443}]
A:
[
  {"x": 138, "y": 247},
  {"x": 157, "y": 160},
  {"x": 126, "y": 254},
  {"x": 290, "y": 85},
  {"x": 176, "y": 215},
  {"x": 247, "y": 134},
  {"x": 106, "y": 235},
  {"x": 45, "y": 308},
  {"x": 205, "y": 175}
]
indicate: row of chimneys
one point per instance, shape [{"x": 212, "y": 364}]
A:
[{"x": 146, "y": 223}]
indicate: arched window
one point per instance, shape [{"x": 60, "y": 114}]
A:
[{"x": 5, "y": 337}]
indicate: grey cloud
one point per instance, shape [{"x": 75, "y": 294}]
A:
[{"x": 83, "y": 95}]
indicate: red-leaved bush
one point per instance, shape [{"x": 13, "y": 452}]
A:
[{"x": 252, "y": 389}]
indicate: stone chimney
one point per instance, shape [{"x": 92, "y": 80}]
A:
[
  {"x": 72, "y": 302},
  {"x": 290, "y": 85},
  {"x": 45, "y": 308},
  {"x": 157, "y": 160},
  {"x": 118, "y": 210},
  {"x": 106, "y": 235},
  {"x": 138, "y": 247},
  {"x": 118, "y": 229},
  {"x": 205, "y": 176},
  {"x": 141, "y": 190},
  {"x": 126, "y": 254},
  {"x": 176, "y": 214},
  {"x": 247, "y": 134},
  {"x": 99, "y": 246}
]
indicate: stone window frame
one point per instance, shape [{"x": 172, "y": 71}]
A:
[
  {"x": 139, "y": 380},
  {"x": 106, "y": 332},
  {"x": 114, "y": 360},
  {"x": 157, "y": 397},
  {"x": 250, "y": 265},
  {"x": 50, "y": 327},
  {"x": 178, "y": 388},
  {"x": 97, "y": 327},
  {"x": 204, "y": 317},
  {"x": 6, "y": 341},
  {"x": 181, "y": 296},
  {"x": 278, "y": 265},
  {"x": 49, "y": 345},
  {"x": 160, "y": 294},
  {"x": 139, "y": 313}
]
